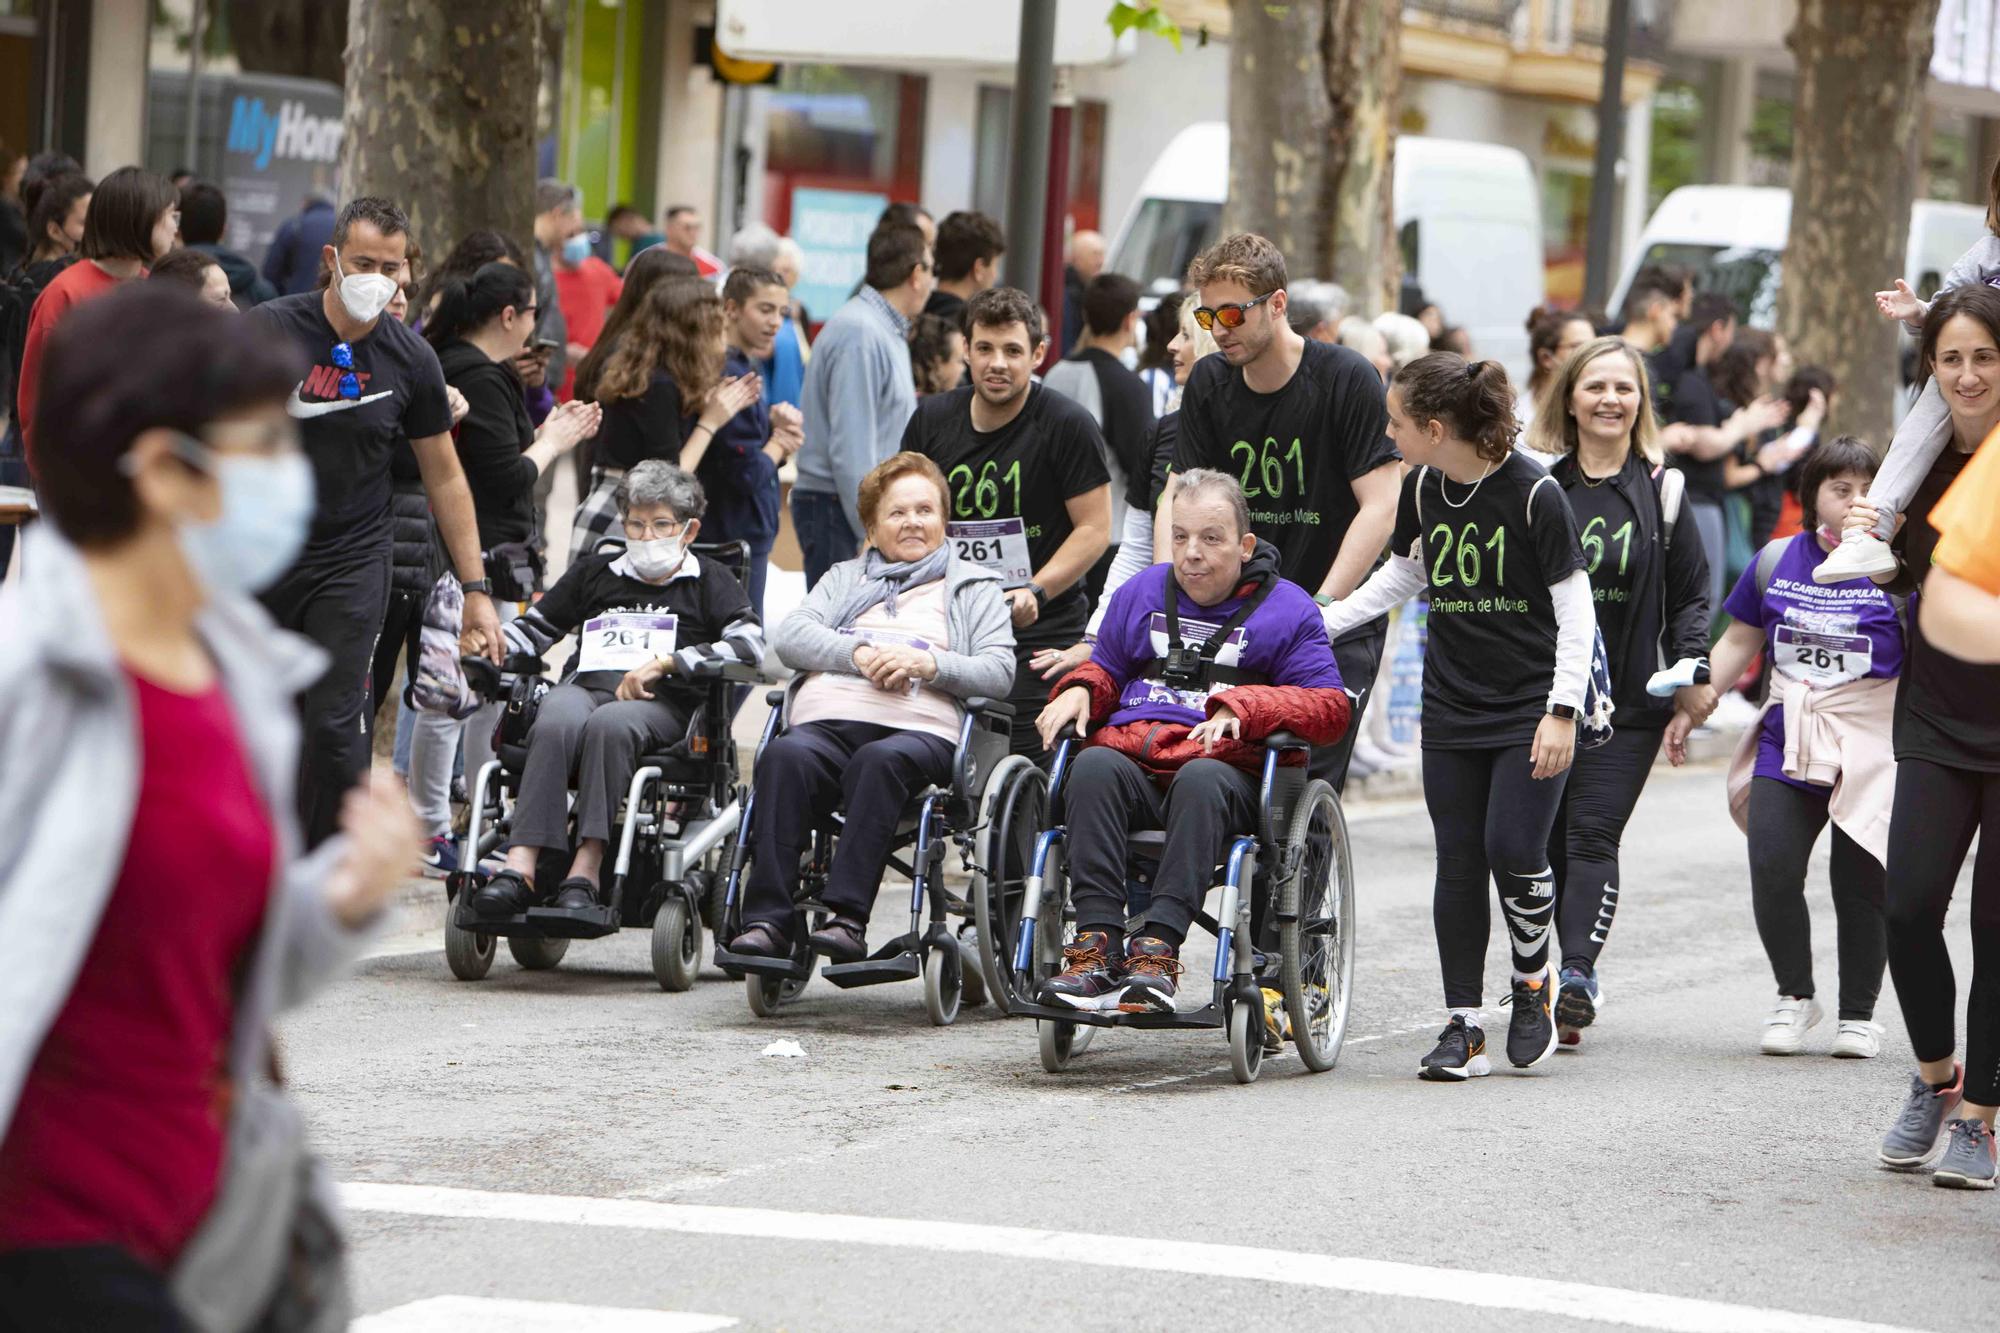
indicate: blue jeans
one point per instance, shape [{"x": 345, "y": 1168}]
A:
[{"x": 825, "y": 539}]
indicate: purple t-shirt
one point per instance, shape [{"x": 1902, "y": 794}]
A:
[{"x": 1824, "y": 635}]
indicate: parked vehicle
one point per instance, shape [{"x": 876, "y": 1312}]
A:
[{"x": 1468, "y": 219}]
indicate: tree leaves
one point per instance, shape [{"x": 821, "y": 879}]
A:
[{"x": 1143, "y": 17}]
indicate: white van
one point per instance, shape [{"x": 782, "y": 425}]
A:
[
  {"x": 1468, "y": 217},
  {"x": 1733, "y": 237}
]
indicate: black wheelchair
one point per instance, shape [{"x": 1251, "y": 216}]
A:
[
  {"x": 672, "y": 833},
  {"x": 1285, "y": 923},
  {"x": 995, "y": 806}
]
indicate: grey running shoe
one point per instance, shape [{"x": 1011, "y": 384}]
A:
[
  {"x": 1531, "y": 1032},
  {"x": 1459, "y": 1055},
  {"x": 1912, "y": 1142},
  {"x": 1967, "y": 1163}
]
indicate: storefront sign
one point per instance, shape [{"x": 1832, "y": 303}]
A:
[{"x": 832, "y": 228}]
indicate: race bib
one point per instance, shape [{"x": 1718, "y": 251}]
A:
[
  {"x": 1000, "y": 544},
  {"x": 868, "y": 634},
  {"x": 1821, "y": 658},
  {"x": 622, "y": 640}
]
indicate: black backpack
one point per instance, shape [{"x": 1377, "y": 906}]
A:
[{"x": 18, "y": 293}]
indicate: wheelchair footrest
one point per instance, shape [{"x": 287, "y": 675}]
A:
[
  {"x": 583, "y": 923},
  {"x": 758, "y": 965},
  {"x": 875, "y": 971},
  {"x": 1208, "y": 1016}
]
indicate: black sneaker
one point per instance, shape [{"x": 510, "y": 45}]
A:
[
  {"x": 1150, "y": 968},
  {"x": 1088, "y": 980},
  {"x": 1459, "y": 1055},
  {"x": 1531, "y": 1033}
]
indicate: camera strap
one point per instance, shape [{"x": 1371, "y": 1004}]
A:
[{"x": 1210, "y": 672}]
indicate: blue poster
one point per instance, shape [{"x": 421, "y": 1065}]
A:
[{"x": 832, "y": 228}]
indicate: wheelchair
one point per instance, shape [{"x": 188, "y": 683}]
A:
[
  {"x": 1285, "y": 921},
  {"x": 992, "y": 810},
  {"x": 680, "y": 811}
]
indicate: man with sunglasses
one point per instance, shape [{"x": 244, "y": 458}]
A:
[
  {"x": 1303, "y": 426},
  {"x": 1028, "y": 490},
  {"x": 372, "y": 382}
]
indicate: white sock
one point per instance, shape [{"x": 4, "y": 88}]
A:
[
  {"x": 1473, "y": 1018},
  {"x": 1546, "y": 974}
]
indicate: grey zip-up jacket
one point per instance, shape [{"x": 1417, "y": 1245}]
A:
[
  {"x": 858, "y": 397},
  {"x": 979, "y": 663},
  {"x": 69, "y": 786}
]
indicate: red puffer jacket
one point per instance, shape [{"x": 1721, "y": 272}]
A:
[{"x": 1318, "y": 716}]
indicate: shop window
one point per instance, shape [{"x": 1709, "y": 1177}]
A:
[{"x": 995, "y": 125}]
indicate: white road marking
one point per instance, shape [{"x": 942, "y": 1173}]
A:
[
  {"x": 480, "y": 1314},
  {"x": 1374, "y": 1277}
]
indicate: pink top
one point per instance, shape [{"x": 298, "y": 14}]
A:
[{"x": 919, "y": 620}]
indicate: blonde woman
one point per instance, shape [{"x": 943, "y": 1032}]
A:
[{"x": 1649, "y": 582}]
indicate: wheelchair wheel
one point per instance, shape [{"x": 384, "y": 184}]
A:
[
  {"x": 1246, "y": 1041},
  {"x": 1059, "y": 1042},
  {"x": 676, "y": 942},
  {"x": 1316, "y": 934},
  {"x": 535, "y": 954},
  {"x": 944, "y": 986},
  {"x": 468, "y": 952},
  {"x": 1013, "y": 811}
]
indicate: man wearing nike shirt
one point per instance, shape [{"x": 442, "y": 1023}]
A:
[
  {"x": 372, "y": 380},
  {"x": 1304, "y": 426}
]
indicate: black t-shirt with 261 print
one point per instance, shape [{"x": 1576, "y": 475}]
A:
[
  {"x": 1491, "y": 553},
  {"x": 1296, "y": 451},
  {"x": 1010, "y": 492}
]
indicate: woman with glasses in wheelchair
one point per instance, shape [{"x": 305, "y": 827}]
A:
[
  {"x": 642, "y": 614},
  {"x": 887, "y": 647}
]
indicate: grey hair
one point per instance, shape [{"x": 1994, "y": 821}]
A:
[
  {"x": 658, "y": 482},
  {"x": 755, "y": 246},
  {"x": 789, "y": 247},
  {"x": 1208, "y": 481},
  {"x": 1310, "y": 303},
  {"x": 1407, "y": 338},
  {"x": 551, "y": 194}
]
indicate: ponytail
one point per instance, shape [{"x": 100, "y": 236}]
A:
[
  {"x": 466, "y": 303},
  {"x": 1473, "y": 399}
]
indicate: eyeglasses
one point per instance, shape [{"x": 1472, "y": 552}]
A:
[
  {"x": 343, "y": 359},
  {"x": 1228, "y": 316},
  {"x": 641, "y": 530}
]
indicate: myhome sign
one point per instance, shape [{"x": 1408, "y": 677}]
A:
[{"x": 293, "y": 133}]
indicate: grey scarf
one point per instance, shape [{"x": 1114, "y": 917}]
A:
[{"x": 882, "y": 580}]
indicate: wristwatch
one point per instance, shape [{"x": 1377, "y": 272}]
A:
[
  {"x": 1566, "y": 712},
  {"x": 476, "y": 585},
  {"x": 1041, "y": 596}
]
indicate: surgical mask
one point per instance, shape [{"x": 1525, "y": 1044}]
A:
[
  {"x": 267, "y": 509},
  {"x": 576, "y": 249},
  {"x": 364, "y": 295},
  {"x": 655, "y": 559}
]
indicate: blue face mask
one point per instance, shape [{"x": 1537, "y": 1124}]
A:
[
  {"x": 267, "y": 509},
  {"x": 576, "y": 249}
]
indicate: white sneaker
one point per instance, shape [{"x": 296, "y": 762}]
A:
[
  {"x": 1785, "y": 1029},
  {"x": 1860, "y": 555},
  {"x": 1859, "y": 1039},
  {"x": 1732, "y": 712}
]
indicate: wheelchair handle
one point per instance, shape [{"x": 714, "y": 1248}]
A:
[
  {"x": 981, "y": 705},
  {"x": 713, "y": 669},
  {"x": 1285, "y": 740}
]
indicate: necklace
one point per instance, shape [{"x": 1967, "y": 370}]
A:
[{"x": 1445, "y": 495}]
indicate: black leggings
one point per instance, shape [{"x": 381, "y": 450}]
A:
[
  {"x": 1603, "y": 788},
  {"x": 81, "y": 1289},
  {"x": 1938, "y": 809},
  {"x": 1785, "y": 822},
  {"x": 1492, "y": 819}
]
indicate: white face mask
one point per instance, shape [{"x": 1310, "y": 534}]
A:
[
  {"x": 267, "y": 509},
  {"x": 364, "y": 295},
  {"x": 655, "y": 560}
]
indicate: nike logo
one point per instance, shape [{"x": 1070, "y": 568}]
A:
[{"x": 303, "y": 410}]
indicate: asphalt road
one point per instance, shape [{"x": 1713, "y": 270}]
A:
[{"x": 577, "y": 1149}]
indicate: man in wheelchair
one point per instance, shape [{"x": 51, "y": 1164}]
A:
[
  {"x": 1195, "y": 663},
  {"x": 644, "y": 616}
]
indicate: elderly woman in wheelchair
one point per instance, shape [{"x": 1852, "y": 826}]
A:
[
  {"x": 888, "y": 648},
  {"x": 1196, "y": 664},
  {"x": 647, "y": 618}
]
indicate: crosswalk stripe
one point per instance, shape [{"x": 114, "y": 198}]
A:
[
  {"x": 1374, "y": 1277},
  {"x": 485, "y": 1314}
]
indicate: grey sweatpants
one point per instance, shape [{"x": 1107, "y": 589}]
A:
[
  {"x": 1912, "y": 454},
  {"x": 598, "y": 738}
]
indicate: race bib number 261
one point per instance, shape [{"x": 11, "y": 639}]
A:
[
  {"x": 1000, "y": 544},
  {"x": 622, "y": 640}
]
